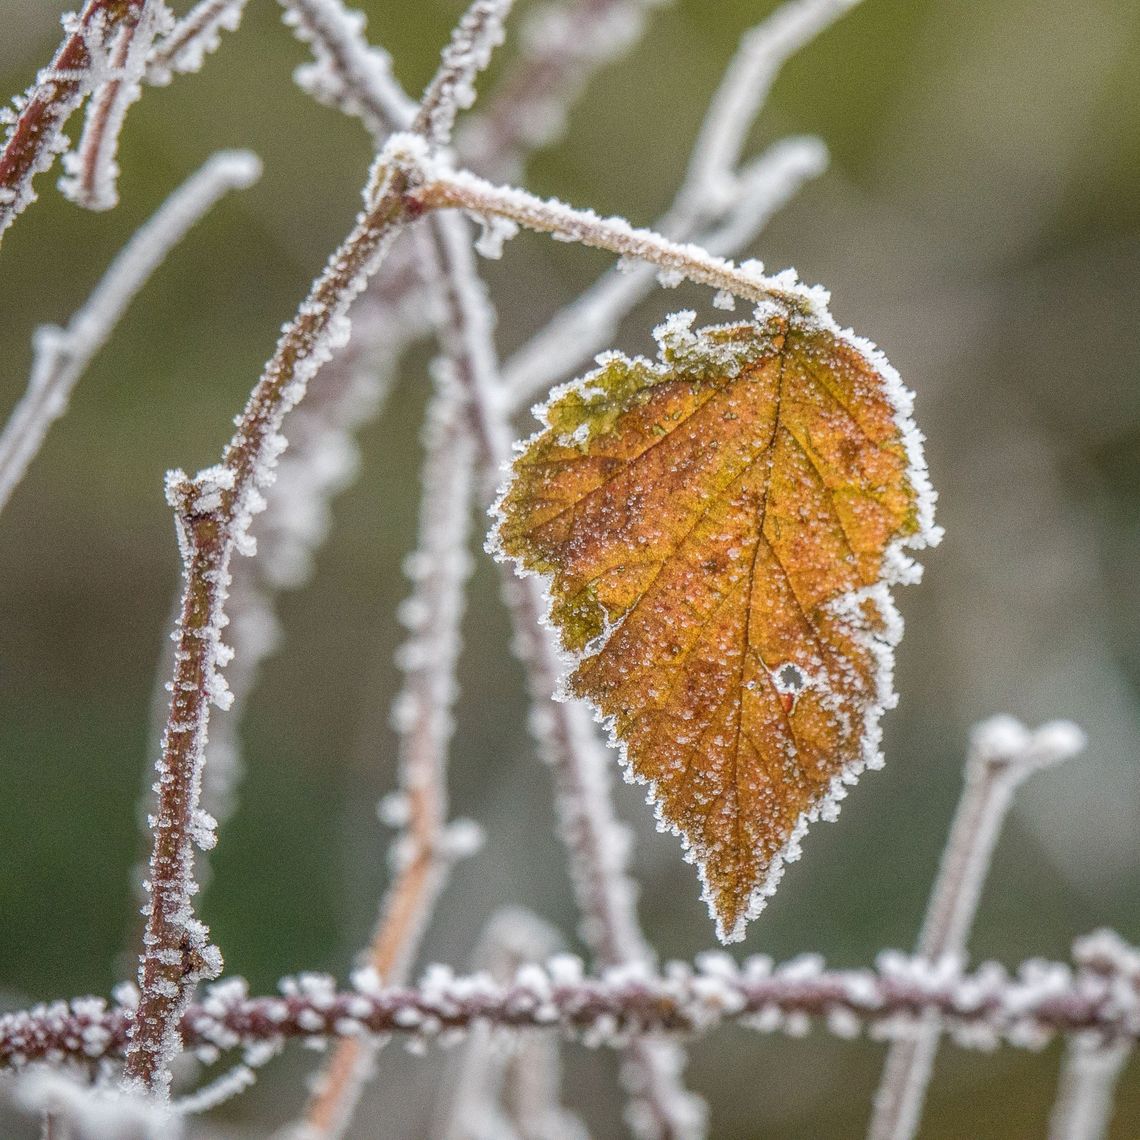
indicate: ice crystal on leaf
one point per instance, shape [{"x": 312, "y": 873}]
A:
[{"x": 719, "y": 531}]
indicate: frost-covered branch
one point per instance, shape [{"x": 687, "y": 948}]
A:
[
  {"x": 322, "y": 460},
  {"x": 712, "y": 179},
  {"x": 452, "y": 89},
  {"x": 62, "y": 354},
  {"x": 35, "y": 130},
  {"x": 347, "y": 72},
  {"x": 91, "y": 172},
  {"x": 979, "y": 1009},
  {"x": 213, "y": 512},
  {"x": 426, "y": 846},
  {"x": 591, "y": 321},
  {"x": 1087, "y": 1086},
  {"x": 1093, "y": 1061},
  {"x": 562, "y": 45},
  {"x": 1003, "y": 753},
  {"x": 192, "y": 38},
  {"x": 436, "y": 186},
  {"x": 510, "y": 1090},
  {"x": 597, "y": 844}
]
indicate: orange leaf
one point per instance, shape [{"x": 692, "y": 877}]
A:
[{"x": 718, "y": 532}]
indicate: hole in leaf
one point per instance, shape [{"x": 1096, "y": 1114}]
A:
[{"x": 789, "y": 679}]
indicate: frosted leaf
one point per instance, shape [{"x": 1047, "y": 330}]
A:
[{"x": 769, "y": 478}]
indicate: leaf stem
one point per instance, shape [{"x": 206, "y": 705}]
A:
[{"x": 436, "y": 186}]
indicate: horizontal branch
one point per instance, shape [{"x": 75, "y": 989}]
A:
[
  {"x": 437, "y": 186},
  {"x": 979, "y": 1010}
]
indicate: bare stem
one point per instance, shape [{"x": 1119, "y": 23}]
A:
[
  {"x": 1002, "y": 754},
  {"x": 348, "y": 73},
  {"x": 1089, "y": 1075},
  {"x": 62, "y": 354},
  {"x": 192, "y": 38},
  {"x": 1094, "y": 1060},
  {"x": 562, "y": 46},
  {"x": 475, "y": 37},
  {"x": 91, "y": 171},
  {"x": 438, "y": 187},
  {"x": 422, "y": 718},
  {"x": 35, "y": 138},
  {"x": 514, "y": 1092},
  {"x": 213, "y": 512},
  {"x": 978, "y": 1010},
  {"x": 711, "y": 178}
]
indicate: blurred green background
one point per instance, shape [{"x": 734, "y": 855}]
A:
[{"x": 980, "y": 221}]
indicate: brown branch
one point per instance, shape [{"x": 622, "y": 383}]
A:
[
  {"x": 213, "y": 512},
  {"x": 192, "y": 38},
  {"x": 563, "y": 45},
  {"x": 978, "y": 1010},
  {"x": 34, "y": 138},
  {"x": 91, "y": 170},
  {"x": 423, "y": 721},
  {"x": 475, "y": 37}
]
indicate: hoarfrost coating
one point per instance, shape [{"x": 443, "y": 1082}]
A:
[{"x": 590, "y": 404}]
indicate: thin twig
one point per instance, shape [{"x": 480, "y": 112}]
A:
[
  {"x": 978, "y": 1010},
  {"x": 194, "y": 37},
  {"x": 1003, "y": 753},
  {"x": 36, "y": 136},
  {"x": 596, "y": 843},
  {"x": 62, "y": 354},
  {"x": 436, "y": 186},
  {"x": 445, "y": 510},
  {"x": 452, "y": 89},
  {"x": 711, "y": 180},
  {"x": 513, "y": 1093},
  {"x": 1087, "y": 1086},
  {"x": 348, "y": 73},
  {"x": 213, "y": 512},
  {"x": 321, "y": 462},
  {"x": 1093, "y": 1062},
  {"x": 91, "y": 173},
  {"x": 562, "y": 46},
  {"x": 422, "y": 718}
]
